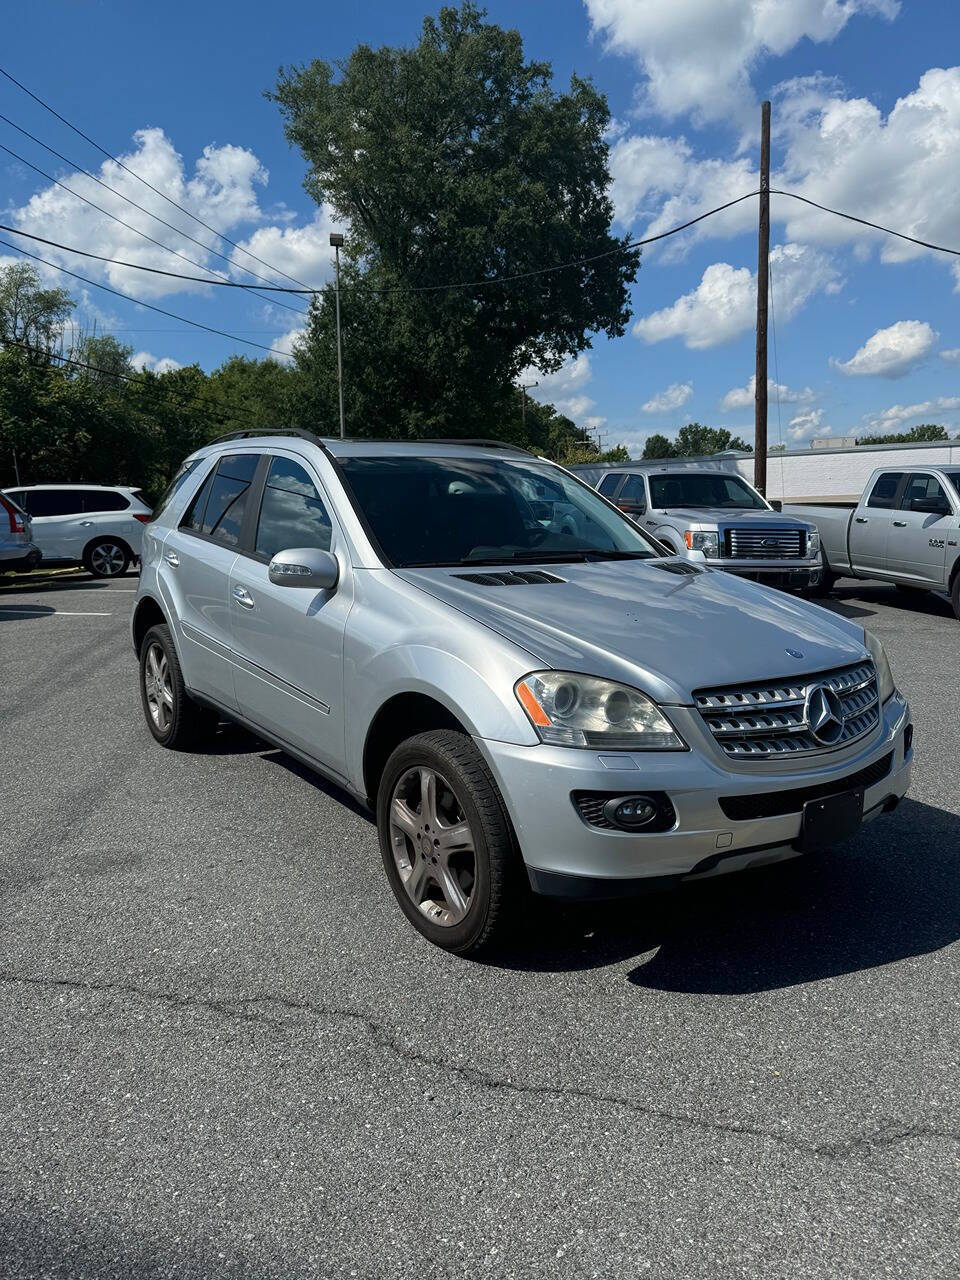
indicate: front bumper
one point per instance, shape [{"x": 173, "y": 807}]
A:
[
  {"x": 566, "y": 857},
  {"x": 776, "y": 573}
]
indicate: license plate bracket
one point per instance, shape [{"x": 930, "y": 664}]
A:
[{"x": 829, "y": 820}]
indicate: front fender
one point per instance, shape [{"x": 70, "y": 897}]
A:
[{"x": 478, "y": 693}]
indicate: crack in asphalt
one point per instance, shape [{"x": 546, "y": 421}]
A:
[{"x": 249, "y": 1009}]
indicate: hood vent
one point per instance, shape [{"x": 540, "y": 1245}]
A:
[
  {"x": 681, "y": 567},
  {"x": 510, "y": 578}
]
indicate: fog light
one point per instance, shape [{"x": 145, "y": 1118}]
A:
[{"x": 631, "y": 813}]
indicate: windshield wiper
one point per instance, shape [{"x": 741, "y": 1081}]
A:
[{"x": 595, "y": 554}]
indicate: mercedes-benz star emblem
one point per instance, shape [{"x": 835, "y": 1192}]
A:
[{"x": 823, "y": 713}]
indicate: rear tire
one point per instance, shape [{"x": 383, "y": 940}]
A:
[
  {"x": 172, "y": 716},
  {"x": 446, "y": 840},
  {"x": 955, "y": 595},
  {"x": 107, "y": 558}
]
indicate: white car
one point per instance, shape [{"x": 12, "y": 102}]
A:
[{"x": 98, "y": 526}]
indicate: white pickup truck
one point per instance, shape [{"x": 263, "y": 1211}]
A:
[{"x": 905, "y": 529}]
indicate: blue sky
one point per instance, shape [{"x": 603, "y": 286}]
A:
[{"x": 866, "y": 118}]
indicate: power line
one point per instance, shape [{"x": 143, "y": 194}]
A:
[
  {"x": 901, "y": 235},
  {"x": 130, "y": 227},
  {"x": 230, "y": 410},
  {"x": 110, "y": 156},
  {"x": 172, "y": 315}
]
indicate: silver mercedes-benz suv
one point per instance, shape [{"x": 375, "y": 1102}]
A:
[{"x": 525, "y": 687}]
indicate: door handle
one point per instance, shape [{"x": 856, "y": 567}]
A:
[
  {"x": 899, "y": 524},
  {"x": 86, "y": 524},
  {"x": 172, "y": 558},
  {"x": 243, "y": 597},
  {"x": 861, "y": 520}
]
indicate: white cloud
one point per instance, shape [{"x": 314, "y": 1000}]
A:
[
  {"x": 899, "y": 415},
  {"x": 806, "y": 425},
  {"x": 697, "y": 55},
  {"x": 674, "y": 397},
  {"x": 154, "y": 364},
  {"x": 564, "y": 388},
  {"x": 891, "y": 352},
  {"x": 743, "y": 397},
  {"x": 952, "y": 356},
  {"x": 301, "y": 252},
  {"x": 723, "y": 305},
  {"x": 283, "y": 346}
]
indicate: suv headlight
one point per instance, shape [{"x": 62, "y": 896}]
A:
[
  {"x": 813, "y": 544},
  {"x": 571, "y": 710},
  {"x": 885, "y": 683},
  {"x": 697, "y": 540}
]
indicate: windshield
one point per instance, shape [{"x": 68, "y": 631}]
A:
[
  {"x": 703, "y": 489},
  {"x": 454, "y": 511}
]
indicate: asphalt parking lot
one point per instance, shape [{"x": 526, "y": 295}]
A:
[{"x": 224, "y": 1052}]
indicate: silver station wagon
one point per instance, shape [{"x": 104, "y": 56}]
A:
[{"x": 528, "y": 691}]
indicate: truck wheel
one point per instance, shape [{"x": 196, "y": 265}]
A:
[
  {"x": 827, "y": 579},
  {"x": 955, "y": 595},
  {"x": 172, "y": 716},
  {"x": 446, "y": 841}
]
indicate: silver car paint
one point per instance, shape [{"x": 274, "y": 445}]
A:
[
  {"x": 860, "y": 543},
  {"x": 465, "y": 646}
]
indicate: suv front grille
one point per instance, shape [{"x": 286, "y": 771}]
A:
[
  {"x": 764, "y": 544},
  {"x": 774, "y": 804},
  {"x": 752, "y": 722}
]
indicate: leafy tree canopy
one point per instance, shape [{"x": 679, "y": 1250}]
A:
[
  {"x": 694, "y": 441},
  {"x": 916, "y": 435},
  {"x": 454, "y": 160},
  {"x": 30, "y": 314}
]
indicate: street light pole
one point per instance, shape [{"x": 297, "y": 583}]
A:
[{"x": 336, "y": 240}]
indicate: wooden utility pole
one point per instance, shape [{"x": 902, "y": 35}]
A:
[{"x": 763, "y": 285}]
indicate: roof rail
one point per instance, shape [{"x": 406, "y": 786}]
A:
[{"x": 268, "y": 431}]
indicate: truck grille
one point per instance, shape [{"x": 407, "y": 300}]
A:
[
  {"x": 765, "y": 544},
  {"x": 751, "y": 722}
]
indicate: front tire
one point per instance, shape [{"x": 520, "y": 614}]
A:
[
  {"x": 955, "y": 595},
  {"x": 172, "y": 716},
  {"x": 827, "y": 580},
  {"x": 107, "y": 558},
  {"x": 447, "y": 844}
]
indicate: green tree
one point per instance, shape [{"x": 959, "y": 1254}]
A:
[
  {"x": 927, "y": 431},
  {"x": 453, "y": 160},
  {"x": 29, "y": 314},
  {"x": 694, "y": 441},
  {"x": 659, "y": 446},
  {"x": 108, "y": 358}
]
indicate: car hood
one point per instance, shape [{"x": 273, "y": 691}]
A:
[
  {"x": 652, "y": 622},
  {"x": 730, "y": 516}
]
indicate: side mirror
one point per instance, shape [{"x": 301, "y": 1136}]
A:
[
  {"x": 305, "y": 567},
  {"x": 930, "y": 506},
  {"x": 776, "y": 504}
]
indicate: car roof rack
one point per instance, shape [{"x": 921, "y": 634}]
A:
[{"x": 302, "y": 434}]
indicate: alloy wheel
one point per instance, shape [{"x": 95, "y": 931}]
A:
[
  {"x": 432, "y": 845},
  {"x": 158, "y": 688},
  {"x": 107, "y": 559}
]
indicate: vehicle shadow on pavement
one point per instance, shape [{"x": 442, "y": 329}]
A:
[
  {"x": 891, "y": 893},
  {"x": 845, "y": 601},
  {"x": 275, "y": 756},
  {"x": 20, "y": 613}
]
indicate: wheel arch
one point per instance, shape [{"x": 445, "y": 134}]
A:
[
  {"x": 402, "y": 716},
  {"x": 108, "y": 537},
  {"x": 147, "y": 614}
]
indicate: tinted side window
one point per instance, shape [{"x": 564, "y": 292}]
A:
[
  {"x": 54, "y": 502},
  {"x": 15, "y": 496},
  {"x": 608, "y": 485},
  {"x": 885, "y": 490},
  {"x": 103, "y": 500},
  {"x": 223, "y": 517},
  {"x": 922, "y": 487},
  {"x": 633, "y": 491},
  {"x": 193, "y": 516},
  {"x": 291, "y": 513},
  {"x": 173, "y": 487}
]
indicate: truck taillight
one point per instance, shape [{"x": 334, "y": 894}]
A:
[
  {"x": 13, "y": 515},
  {"x": 144, "y": 517}
]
